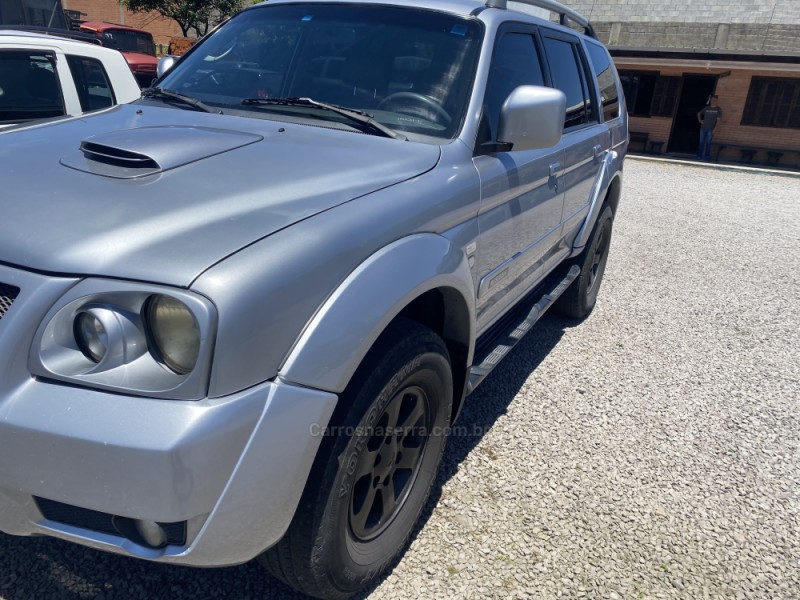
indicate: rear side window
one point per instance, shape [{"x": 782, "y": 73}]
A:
[
  {"x": 515, "y": 63},
  {"x": 29, "y": 86},
  {"x": 566, "y": 70},
  {"x": 606, "y": 82},
  {"x": 91, "y": 81}
]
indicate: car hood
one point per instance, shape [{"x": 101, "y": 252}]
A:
[
  {"x": 137, "y": 58},
  {"x": 160, "y": 194}
]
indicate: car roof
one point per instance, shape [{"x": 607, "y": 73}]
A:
[
  {"x": 101, "y": 26},
  {"x": 515, "y": 10},
  {"x": 25, "y": 38},
  {"x": 459, "y": 7}
]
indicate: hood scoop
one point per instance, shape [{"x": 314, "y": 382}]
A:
[
  {"x": 134, "y": 153},
  {"x": 117, "y": 157}
]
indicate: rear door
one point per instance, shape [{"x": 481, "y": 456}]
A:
[
  {"x": 585, "y": 139},
  {"x": 521, "y": 197}
]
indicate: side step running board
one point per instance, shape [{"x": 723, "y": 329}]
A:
[{"x": 516, "y": 332}]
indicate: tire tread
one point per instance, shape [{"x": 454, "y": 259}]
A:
[{"x": 295, "y": 560}]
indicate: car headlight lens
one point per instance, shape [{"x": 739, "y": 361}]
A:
[
  {"x": 173, "y": 333},
  {"x": 135, "y": 338},
  {"x": 91, "y": 336}
]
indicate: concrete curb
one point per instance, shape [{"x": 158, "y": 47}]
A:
[{"x": 715, "y": 166}]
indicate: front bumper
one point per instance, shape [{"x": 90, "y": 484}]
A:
[{"x": 232, "y": 468}]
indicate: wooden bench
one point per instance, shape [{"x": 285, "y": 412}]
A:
[
  {"x": 774, "y": 157},
  {"x": 749, "y": 154}
]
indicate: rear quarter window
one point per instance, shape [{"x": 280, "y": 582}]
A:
[
  {"x": 606, "y": 82},
  {"x": 92, "y": 83}
]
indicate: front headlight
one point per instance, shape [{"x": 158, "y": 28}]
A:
[
  {"x": 173, "y": 333},
  {"x": 91, "y": 336},
  {"x": 128, "y": 337}
]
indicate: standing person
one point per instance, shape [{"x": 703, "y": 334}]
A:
[{"x": 708, "y": 118}]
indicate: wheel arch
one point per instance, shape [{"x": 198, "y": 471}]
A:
[
  {"x": 614, "y": 192},
  {"x": 446, "y": 312},
  {"x": 423, "y": 277},
  {"x": 605, "y": 193}
]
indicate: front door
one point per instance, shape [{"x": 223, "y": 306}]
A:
[
  {"x": 521, "y": 197},
  {"x": 695, "y": 92}
]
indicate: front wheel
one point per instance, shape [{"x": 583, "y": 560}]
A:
[
  {"x": 374, "y": 471},
  {"x": 579, "y": 299}
]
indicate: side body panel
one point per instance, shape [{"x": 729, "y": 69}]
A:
[
  {"x": 268, "y": 294},
  {"x": 521, "y": 193},
  {"x": 520, "y": 223},
  {"x": 346, "y": 327},
  {"x": 584, "y": 156}
]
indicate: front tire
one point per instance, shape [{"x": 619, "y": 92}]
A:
[{"x": 374, "y": 472}]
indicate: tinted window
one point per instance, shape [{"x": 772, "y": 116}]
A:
[
  {"x": 605, "y": 80},
  {"x": 29, "y": 87},
  {"x": 773, "y": 102},
  {"x": 126, "y": 40},
  {"x": 515, "y": 63},
  {"x": 665, "y": 96},
  {"x": 412, "y": 69},
  {"x": 649, "y": 94},
  {"x": 566, "y": 73},
  {"x": 638, "y": 89},
  {"x": 91, "y": 81}
]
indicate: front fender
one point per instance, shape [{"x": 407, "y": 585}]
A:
[{"x": 349, "y": 322}]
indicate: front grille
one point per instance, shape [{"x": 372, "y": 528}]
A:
[
  {"x": 101, "y": 522},
  {"x": 77, "y": 517},
  {"x": 8, "y": 293}
]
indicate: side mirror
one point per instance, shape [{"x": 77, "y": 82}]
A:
[
  {"x": 532, "y": 117},
  {"x": 165, "y": 63}
]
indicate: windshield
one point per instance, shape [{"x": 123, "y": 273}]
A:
[
  {"x": 129, "y": 41},
  {"x": 410, "y": 69}
]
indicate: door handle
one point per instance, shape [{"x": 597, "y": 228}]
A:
[
  {"x": 598, "y": 150},
  {"x": 555, "y": 168}
]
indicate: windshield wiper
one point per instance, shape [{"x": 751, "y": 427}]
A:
[
  {"x": 354, "y": 115},
  {"x": 163, "y": 94}
]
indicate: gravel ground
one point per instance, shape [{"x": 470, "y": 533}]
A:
[{"x": 652, "y": 451}]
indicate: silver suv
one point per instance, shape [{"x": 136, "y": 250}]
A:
[{"x": 238, "y": 316}]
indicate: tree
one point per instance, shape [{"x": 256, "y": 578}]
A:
[{"x": 191, "y": 15}]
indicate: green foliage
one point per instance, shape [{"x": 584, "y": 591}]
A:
[{"x": 197, "y": 16}]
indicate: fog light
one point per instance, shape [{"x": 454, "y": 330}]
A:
[{"x": 152, "y": 533}]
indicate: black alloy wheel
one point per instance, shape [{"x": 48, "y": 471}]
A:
[
  {"x": 387, "y": 469},
  {"x": 374, "y": 473}
]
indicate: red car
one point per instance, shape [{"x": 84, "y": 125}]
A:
[{"x": 136, "y": 45}]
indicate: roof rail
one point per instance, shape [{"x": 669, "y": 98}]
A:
[
  {"x": 63, "y": 33},
  {"x": 564, "y": 12}
]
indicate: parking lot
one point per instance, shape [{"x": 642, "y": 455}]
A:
[{"x": 652, "y": 451}]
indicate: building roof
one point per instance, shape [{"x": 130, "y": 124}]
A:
[
  {"x": 707, "y": 54},
  {"x": 634, "y": 58}
]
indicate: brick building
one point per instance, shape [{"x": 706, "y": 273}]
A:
[
  {"x": 673, "y": 55},
  {"x": 112, "y": 11}
]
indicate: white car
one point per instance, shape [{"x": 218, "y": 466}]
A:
[{"x": 43, "y": 76}]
